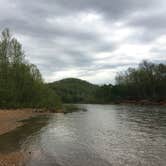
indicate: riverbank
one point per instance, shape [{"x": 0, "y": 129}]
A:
[
  {"x": 11, "y": 119},
  {"x": 12, "y": 159},
  {"x": 141, "y": 102}
]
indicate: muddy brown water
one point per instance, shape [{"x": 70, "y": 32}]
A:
[{"x": 104, "y": 135}]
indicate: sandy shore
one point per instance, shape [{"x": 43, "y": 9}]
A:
[
  {"x": 12, "y": 159},
  {"x": 9, "y": 119}
]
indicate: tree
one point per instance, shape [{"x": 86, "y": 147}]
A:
[
  {"x": 148, "y": 81},
  {"x": 21, "y": 83}
]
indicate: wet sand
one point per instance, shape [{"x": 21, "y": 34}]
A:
[
  {"x": 12, "y": 159},
  {"x": 10, "y": 120}
]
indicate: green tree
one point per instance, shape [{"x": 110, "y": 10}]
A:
[{"x": 21, "y": 84}]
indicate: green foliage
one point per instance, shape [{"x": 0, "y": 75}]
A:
[
  {"x": 21, "y": 83},
  {"x": 148, "y": 81},
  {"x": 68, "y": 108},
  {"x": 49, "y": 99},
  {"x": 73, "y": 90},
  {"x": 103, "y": 94}
]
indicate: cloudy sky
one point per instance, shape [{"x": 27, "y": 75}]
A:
[{"x": 87, "y": 39}]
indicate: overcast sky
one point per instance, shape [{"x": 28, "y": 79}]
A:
[{"x": 87, "y": 39}]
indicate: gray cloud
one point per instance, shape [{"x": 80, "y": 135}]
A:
[
  {"x": 87, "y": 37},
  {"x": 114, "y": 9},
  {"x": 151, "y": 24}
]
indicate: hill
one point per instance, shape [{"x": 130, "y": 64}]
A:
[{"x": 72, "y": 90}]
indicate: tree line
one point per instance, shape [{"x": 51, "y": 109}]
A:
[
  {"x": 21, "y": 83},
  {"x": 145, "y": 82}
]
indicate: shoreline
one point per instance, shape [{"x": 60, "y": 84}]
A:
[
  {"x": 141, "y": 102},
  {"x": 12, "y": 159},
  {"x": 10, "y": 119}
]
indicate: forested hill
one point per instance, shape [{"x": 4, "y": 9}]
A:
[
  {"x": 22, "y": 85},
  {"x": 72, "y": 90},
  {"x": 145, "y": 82}
]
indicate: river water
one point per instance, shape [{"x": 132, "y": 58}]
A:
[{"x": 104, "y": 135}]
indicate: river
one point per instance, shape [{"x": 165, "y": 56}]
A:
[{"x": 104, "y": 135}]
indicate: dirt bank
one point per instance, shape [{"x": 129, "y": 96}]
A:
[
  {"x": 12, "y": 159},
  {"x": 10, "y": 119},
  {"x": 141, "y": 102}
]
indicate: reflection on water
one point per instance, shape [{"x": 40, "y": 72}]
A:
[
  {"x": 104, "y": 135},
  {"x": 12, "y": 141}
]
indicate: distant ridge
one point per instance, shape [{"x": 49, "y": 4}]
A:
[
  {"x": 72, "y": 79},
  {"x": 74, "y": 90}
]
